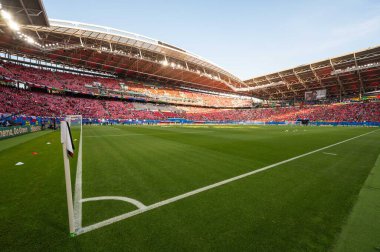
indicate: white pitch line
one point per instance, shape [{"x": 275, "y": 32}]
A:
[
  {"x": 137, "y": 203},
  {"x": 133, "y": 134},
  {"x": 152, "y": 134},
  {"x": 78, "y": 188},
  {"x": 195, "y": 132},
  {"x": 328, "y": 153},
  {"x": 202, "y": 189}
]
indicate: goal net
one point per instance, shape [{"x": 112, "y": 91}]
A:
[{"x": 75, "y": 122}]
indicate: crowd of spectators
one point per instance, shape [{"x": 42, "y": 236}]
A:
[
  {"x": 18, "y": 101},
  {"x": 114, "y": 87},
  {"x": 349, "y": 112}
]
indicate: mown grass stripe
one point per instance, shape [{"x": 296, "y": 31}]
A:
[{"x": 362, "y": 230}]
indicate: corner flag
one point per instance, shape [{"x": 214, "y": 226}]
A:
[
  {"x": 68, "y": 150},
  {"x": 66, "y": 138}
]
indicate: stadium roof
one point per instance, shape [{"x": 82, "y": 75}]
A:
[
  {"x": 116, "y": 51},
  {"x": 27, "y": 12},
  {"x": 353, "y": 73},
  {"x": 128, "y": 54}
]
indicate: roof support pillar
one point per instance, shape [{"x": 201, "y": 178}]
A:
[
  {"x": 339, "y": 81},
  {"x": 361, "y": 87},
  {"x": 299, "y": 79},
  {"x": 316, "y": 76}
]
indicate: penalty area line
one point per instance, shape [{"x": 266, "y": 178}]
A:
[{"x": 202, "y": 189}]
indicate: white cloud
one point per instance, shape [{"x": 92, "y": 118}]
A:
[{"x": 351, "y": 32}]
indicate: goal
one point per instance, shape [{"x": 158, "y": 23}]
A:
[{"x": 75, "y": 122}]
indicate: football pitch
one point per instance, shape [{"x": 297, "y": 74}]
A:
[{"x": 166, "y": 188}]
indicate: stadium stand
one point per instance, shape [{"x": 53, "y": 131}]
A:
[
  {"x": 24, "y": 102},
  {"x": 113, "y": 87},
  {"x": 351, "y": 112},
  {"x": 114, "y": 104}
]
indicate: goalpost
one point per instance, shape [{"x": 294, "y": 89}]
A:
[{"x": 71, "y": 130}]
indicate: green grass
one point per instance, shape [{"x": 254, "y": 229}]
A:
[
  {"x": 361, "y": 232},
  {"x": 298, "y": 206}
]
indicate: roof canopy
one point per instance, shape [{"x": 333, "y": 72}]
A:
[
  {"x": 353, "y": 73},
  {"x": 116, "y": 51},
  {"x": 131, "y": 55},
  {"x": 27, "y": 12}
]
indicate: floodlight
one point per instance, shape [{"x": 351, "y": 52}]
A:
[
  {"x": 30, "y": 40},
  {"x": 6, "y": 15},
  {"x": 13, "y": 25}
]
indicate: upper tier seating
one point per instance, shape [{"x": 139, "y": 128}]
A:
[{"x": 108, "y": 86}]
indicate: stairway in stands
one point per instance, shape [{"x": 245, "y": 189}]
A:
[{"x": 105, "y": 106}]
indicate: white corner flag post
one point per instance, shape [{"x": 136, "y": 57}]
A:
[{"x": 68, "y": 148}]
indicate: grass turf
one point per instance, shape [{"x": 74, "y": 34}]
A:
[
  {"x": 362, "y": 230},
  {"x": 298, "y": 206}
]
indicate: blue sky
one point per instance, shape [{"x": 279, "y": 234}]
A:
[{"x": 246, "y": 37}]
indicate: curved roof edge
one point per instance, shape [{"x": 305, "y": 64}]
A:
[
  {"x": 314, "y": 62},
  {"x": 135, "y": 36}
]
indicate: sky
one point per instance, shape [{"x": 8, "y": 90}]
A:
[{"x": 248, "y": 38}]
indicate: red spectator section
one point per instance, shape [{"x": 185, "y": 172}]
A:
[
  {"x": 115, "y": 87},
  {"x": 43, "y": 104}
]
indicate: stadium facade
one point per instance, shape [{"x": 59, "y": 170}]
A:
[
  {"x": 127, "y": 54},
  {"x": 87, "y": 64}
]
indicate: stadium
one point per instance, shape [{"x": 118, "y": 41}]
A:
[{"x": 111, "y": 140}]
